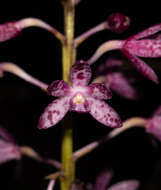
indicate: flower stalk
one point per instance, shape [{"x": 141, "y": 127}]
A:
[
  {"x": 132, "y": 122},
  {"x": 68, "y": 58}
]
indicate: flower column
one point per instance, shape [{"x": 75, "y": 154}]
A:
[{"x": 68, "y": 58}]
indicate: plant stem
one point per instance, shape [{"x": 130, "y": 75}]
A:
[
  {"x": 90, "y": 32},
  {"x": 68, "y": 58}
]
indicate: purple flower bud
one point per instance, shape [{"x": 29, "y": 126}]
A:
[{"x": 118, "y": 22}]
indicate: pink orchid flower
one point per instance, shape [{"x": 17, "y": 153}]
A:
[
  {"x": 138, "y": 45},
  {"x": 8, "y": 148},
  {"x": 79, "y": 98}
]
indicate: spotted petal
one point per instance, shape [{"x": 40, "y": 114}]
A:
[
  {"x": 144, "y": 69},
  {"x": 99, "y": 91},
  {"x": 125, "y": 185},
  {"x": 54, "y": 112},
  {"x": 103, "y": 180},
  {"x": 120, "y": 84},
  {"x": 144, "y": 48},
  {"x": 80, "y": 74},
  {"x": 103, "y": 113},
  {"x": 58, "y": 88}
]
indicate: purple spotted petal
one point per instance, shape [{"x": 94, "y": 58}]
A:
[
  {"x": 103, "y": 113},
  {"x": 103, "y": 180},
  {"x": 147, "y": 32},
  {"x": 58, "y": 88},
  {"x": 99, "y": 91},
  {"x": 125, "y": 185},
  {"x": 144, "y": 48},
  {"x": 79, "y": 104},
  {"x": 118, "y": 22},
  {"x": 153, "y": 126},
  {"x": 143, "y": 68},
  {"x": 53, "y": 113},
  {"x": 120, "y": 84},
  {"x": 8, "y": 30},
  {"x": 80, "y": 74},
  {"x": 8, "y": 152}
]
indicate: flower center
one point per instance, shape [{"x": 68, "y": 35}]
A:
[{"x": 78, "y": 99}]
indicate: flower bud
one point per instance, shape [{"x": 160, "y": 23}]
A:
[{"x": 118, "y": 22}]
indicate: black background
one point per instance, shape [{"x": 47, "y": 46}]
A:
[{"x": 132, "y": 154}]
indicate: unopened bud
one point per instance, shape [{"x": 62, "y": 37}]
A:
[{"x": 118, "y": 22}]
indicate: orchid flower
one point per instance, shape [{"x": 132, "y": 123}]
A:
[
  {"x": 139, "y": 45},
  {"x": 8, "y": 148},
  {"x": 79, "y": 98}
]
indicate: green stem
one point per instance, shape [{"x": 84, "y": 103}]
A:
[{"x": 68, "y": 58}]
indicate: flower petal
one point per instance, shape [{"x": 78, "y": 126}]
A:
[
  {"x": 58, "y": 88},
  {"x": 125, "y": 185},
  {"x": 80, "y": 74},
  {"x": 103, "y": 180},
  {"x": 99, "y": 91},
  {"x": 144, "y": 69},
  {"x": 144, "y": 48},
  {"x": 54, "y": 112},
  {"x": 103, "y": 113},
  {"x": 8, "y": 152},
  {"x": 147, "y": 32},
  {"x": 8, "y": 30},
  {"x": 120, "y": 84}
]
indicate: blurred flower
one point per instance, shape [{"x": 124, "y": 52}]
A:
[
  {"x": 103, "y": 181},
  {"x": 80, "y": 98},
  {"x": 153, "y": 124},
  {"x": 119, "y": 82},
  {"x": 118, "y": 22},
  {"x": 142, "y": 44},
  {"x": 8, "y": 148}
]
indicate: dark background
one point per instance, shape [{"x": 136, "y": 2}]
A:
[{"x": 132, "y": 154}]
